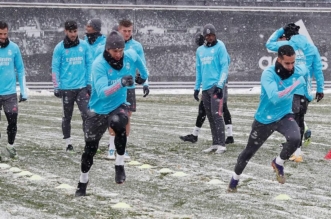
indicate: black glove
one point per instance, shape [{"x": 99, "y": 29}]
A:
[
  {"x": 218, "y": 92},
  {"x": 319, "y": 96},
  {"x": 146, "y": 90},
  {"x": 127, "y": 80},
  {"x": 57, "y": 93},
  {"x": 89, "y": 89},
  {"x": 196, "y": 95},
  {"x": 139, "y": 80},
  {"x": 290, "y": 30},
  {"x": 22, "y": 99}
]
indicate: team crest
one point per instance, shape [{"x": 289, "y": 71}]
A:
[
  {"x": 67, "y": 51},
  {"x": 212, "y": 51},
  {"x": 110, "y": 71},
  {"x": 80, "y": 49},
  {"x": 208, "y": 31},
  {"x": 10, "y": 52}
]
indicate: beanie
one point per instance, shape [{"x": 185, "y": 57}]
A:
[
  {"x": 114, "y": 40},
  {"x": 115, "y": 27},
  {"x": 209, "y": 29},
  {"x": 95, "y": 23},
  {"x": 70, "y": 25}
]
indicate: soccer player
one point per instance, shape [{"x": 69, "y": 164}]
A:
[
  {"x": 71, "y": 69},
  {"x": 212, "y": 64},
  {"x": 307, "y": 54},
  {"x": 125, "y": 27},
  {"x": 279, "y": 83},
  {"x": 11, "y": 66},
  {"x": 93, "y": 36},
  {"x": 199, "y": 40},
  {"x": 111, "y": 76}
]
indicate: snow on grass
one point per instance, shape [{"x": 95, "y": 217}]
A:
[{"x": 198, "y": 191}]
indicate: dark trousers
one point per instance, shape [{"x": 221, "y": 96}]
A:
[
  {"x": 10, "y": 107},
  {"x": 69, "y": 97},
  {"x": 286, "y": 126},
  {"x": 214, "y": 112},
  {"x": 95, "y": 127},
  {"x": 299, "y": 108}
]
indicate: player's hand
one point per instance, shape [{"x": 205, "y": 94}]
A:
[
  {"x": 127, "y": 80},
  {"x": 58, "y": 93},
  {"x": 196, "y": 95},
  {"x": 139, "y": 80},
  {"x": 319, "y": 96},
  {"x": 218, "y": 93},
  {"x": 145, "y": 90},
  {"x": 22, "y": 99}
]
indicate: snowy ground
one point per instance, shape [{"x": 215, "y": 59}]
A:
[{"x": 196, "y": 187}]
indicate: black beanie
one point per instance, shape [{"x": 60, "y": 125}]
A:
[
  {"x": 209, "y": 29},
  {"x": 70, "y": 25},
  {"x": 114, "y": 40},
  {"x": 115, "y": 27}
]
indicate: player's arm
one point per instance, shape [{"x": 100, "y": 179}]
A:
[
  {"x": 224, "y": 63},
  {"x": 273, "y": 43},
  {"x": 100, "y": 82},
  {"x": 88, "y": 64},
  {"x": 198, "y": 74},
  {"x": 56, "y": 66},
  {"x": 318, "y": 73},
  {"x": 271, "y": 87},
  {"x": 19, "y": 66}
]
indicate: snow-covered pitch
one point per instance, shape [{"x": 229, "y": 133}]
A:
[{"x": 166, "y": 177}]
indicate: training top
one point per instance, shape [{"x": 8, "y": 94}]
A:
[
  {"x": 212, "y": 66},
  {"x": 306, "y": 53},
  {"x": 71, "y": 67},
  {"x": 107, "y": 90},
  {"x": 11, "y": 62},
  {"x": 99, "y": 42},
  {"x": 277, "y": 95}
]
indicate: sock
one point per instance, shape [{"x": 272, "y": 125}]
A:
[
  {"x": 83, "y": 177},
  {"x": 68, "y": 141},
  {"x": 297, "y": 152},
  {"x": 196, "y": 131},
  {"x": 235, "y": 176},
  {"x": 229, "y": 129},
  {"x": 280, "y": 161},
  {"x": 111, "y": 142},
  {"x": 119, "y": 159}
]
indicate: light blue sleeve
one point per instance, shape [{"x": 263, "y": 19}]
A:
[
  {"x": 198, "y": 76},
  {"x": 318, "y": 73},
  {"x": 141, "y": 66},
  {"x": 307, "y": 88},
  {"x": 140, "y": 52},
  {"x": 271, "y": 87},
  {"x": 273, "y": 44},
  {"x": 56, "y": 66},
  {"x": 224, "y": 62},
  {"x": 88, "y": 64},
  {"x": 100, "y": 82},
  {"x": 19, "y": 66}
]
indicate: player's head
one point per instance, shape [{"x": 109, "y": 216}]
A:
[
  {"x": 209, "y": 33},
  {"x": 115, "y": 45},
  {"x": 93, "y": 26},
  {"x": 125, "y": 27},
  {"x": 285, "y": 61},
  {"x": 290, "y": 30},
  {"x": 3, "y": 31},
  {"x": 199, "y": 39},
  {"x": 71, "y": 29}
]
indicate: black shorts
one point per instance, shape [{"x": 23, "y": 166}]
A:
[
  {"x": 131, "y": 98},
  {"x": 97, "y": 124},
  {"x": 9, "y": 103}
]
